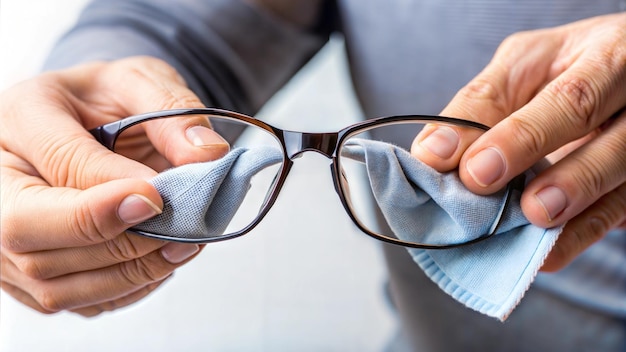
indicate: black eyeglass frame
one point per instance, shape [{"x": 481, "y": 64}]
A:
[{"x": 293, "y": 144}]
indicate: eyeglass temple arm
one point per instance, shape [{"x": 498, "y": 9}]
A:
[{"x": 107, "y": 134}]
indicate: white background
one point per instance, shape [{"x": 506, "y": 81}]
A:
[{"x": 305, "y": 280}]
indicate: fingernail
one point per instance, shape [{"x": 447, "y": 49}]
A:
[
  {"x": 442, "y": 142},
  {"x": 201, "y": 136},
  {"x": 487, "y": 166},
  {"x": 553, "y": 201},
  {"x": 178, "y": 252},
  {"x": 136, "y": 208}
]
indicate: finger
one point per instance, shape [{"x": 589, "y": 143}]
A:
[
  {"x": 518, "y": 69},
  {"x": 134, "y": 297},
  {"x": 110, "y": 283},
  {"x": 571, "y": 106},
  {"x": 55, "y": 144},
  {"x": 66, "y": 217},
  {"x": 23, "y": 297},
  {"x": 441, "y": 146},
  {"x": 53, "y": 121},
  {"x": 153, "y": 85},
  {"x": 565, "y": 150},
  {"x": 587, "y": 228},
  {"x": 10, "y": 283},
  {"x": 48, "y": 264},
  {"x": 172, "y": 141},
  {"x": 578, "y": 180},
  {"x": 95, "y": 287}
]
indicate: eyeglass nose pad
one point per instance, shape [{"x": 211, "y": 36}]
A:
[
  {"x": 345, "y": 185},
  {"x": 269, "y": 192}
]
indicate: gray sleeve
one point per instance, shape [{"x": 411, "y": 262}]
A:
[{"x": 232, "y": 54}]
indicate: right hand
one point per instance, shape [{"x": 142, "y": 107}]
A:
[
  {"x": 67, "y": 200},
  {"x": 558, "y": 93}
]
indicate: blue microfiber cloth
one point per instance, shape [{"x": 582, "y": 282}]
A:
[{"x": 490, "y": 276}]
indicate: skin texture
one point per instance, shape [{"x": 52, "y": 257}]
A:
[
  {"x": 76, "y": 256},
  {"x": 65, "y": 209},
  {"x": 546, "y": 92},
  {"x": 559, "y": 93}
]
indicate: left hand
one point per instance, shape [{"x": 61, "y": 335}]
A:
[
  {"x": 560, "y": 93},
  {"x": 67, "y": 201}
]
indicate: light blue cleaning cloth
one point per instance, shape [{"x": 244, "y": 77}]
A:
[
  {"x": 200, "y": 199},
  {"x": 490, "y": 276}
]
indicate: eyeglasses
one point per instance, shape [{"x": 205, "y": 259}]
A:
[{"x": 352, "y": 181}]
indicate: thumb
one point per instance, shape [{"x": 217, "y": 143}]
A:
[
  {"x": 153, "y": 85},
  {"x": 68, "y": 217},
  {"x": 519, "y": 67},
  {"x": 63, "y": 104}
]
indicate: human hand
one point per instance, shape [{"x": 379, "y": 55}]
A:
[
  {"x": 67, "y": 200},
  {"x": 559, "y": 93}
]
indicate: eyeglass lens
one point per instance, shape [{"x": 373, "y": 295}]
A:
[
  {"x": 392, "y": 198},
  {"x": 356, "y": 178},
  {"x": 233, "y": 192}
]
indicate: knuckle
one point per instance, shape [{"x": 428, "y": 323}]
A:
[
  {"x": 511, "y": 43},
  {"x": 514, "y": 39},
  {"x": 31, "y": 267},
  {"x": 612, "y": 207},
  {"x": 583, "y": 235},
  {"x": 481, "y": 88},
  {"x": 122, "y": 249},
  {"x": 517, "y": 45},
  {"x": 69, "y": 162},
  {"x": 83, "y": 226},
  {"x": 528, "y": 135},
  {"x": 612, "y": 53},
  {"x": 141, "y": 270},
  {"x": 589, "y": 178},
  {"x": 580, "y": 98},
  {"x": 484, "y": 90},
  {"x": 49, "y": 300},
  {"x": 56, "y": 160},
  {"x": 575, "y": 242},
  {"x": 154, "y": 71},
  {"x": 171, "y": 101},
  {"x": 10, "y": 219},
  {"x": 64, "y": 159},
  {"x": 599, "y": 171},
  {"x": 596, "y": 222},
  {"x": 9, "y": 238},
  {"x": 141, "y": 63},
  {"x": 599, "y": 225}
]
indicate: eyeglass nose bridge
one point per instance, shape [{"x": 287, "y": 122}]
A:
[{"x": 297, "y": 143}]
